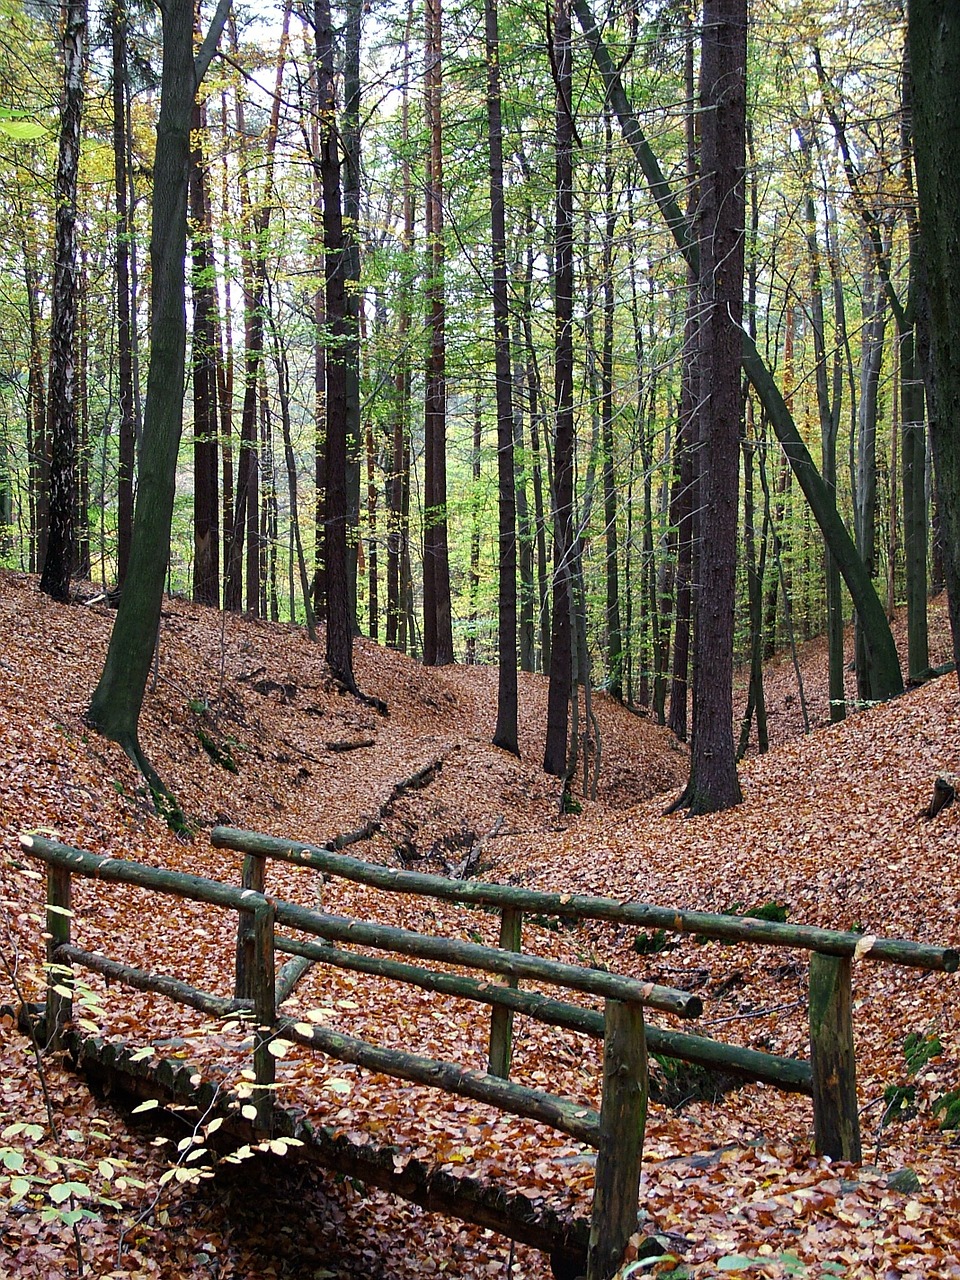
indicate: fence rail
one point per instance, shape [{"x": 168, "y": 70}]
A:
[
  {"x": 616, "y": 1131},
  {"x": 829, "y": 1076}
]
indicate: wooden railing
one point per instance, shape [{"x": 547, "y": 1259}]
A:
[
  {"x": 616, "y": 1131},
  {"x": 829, "y": 1075}
]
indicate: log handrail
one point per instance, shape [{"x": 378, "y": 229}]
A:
[
  {"x": 616, "y": 1132},
  {"x": 830, "y": 942}
]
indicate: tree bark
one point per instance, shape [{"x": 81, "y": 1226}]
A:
[
  {"x": 934, "y": 31},
  {"x": 340, "y": 624},
  {"x": 118, "y": 697},
  {"x": 713, "y": 781},
  {"x": 561, "y": 640},
  {"x": 63, "y": 382},
  {"x": 505, "y": 732},
  {"x": 437, "y": 603}
]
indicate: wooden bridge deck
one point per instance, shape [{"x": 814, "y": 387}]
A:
[{"x": 123, "y": 1071}]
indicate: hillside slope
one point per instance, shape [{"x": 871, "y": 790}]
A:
[{"x": 829, "y": 828}]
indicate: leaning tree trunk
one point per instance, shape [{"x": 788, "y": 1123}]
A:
[
  {"x": 886, "y": 678},
  {"x": 63, "y": 382},
  {"x": 118, "y": 697}
]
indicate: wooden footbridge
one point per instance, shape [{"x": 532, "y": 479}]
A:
[{"x": 268, "y": 927}]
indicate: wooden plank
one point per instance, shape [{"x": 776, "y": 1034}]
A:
[
  {"x": 501, "y": 1019},
  {"x": 59, "y": 974},
  {"x": 264, "y": 1013},
  {"x": 163, "y": 984},
  {"x": 585, "y": 907},
  {"x": 836, "y": 1124},
  {"x": 623, "y": 1115},
  {"x": 490, "y": 959},
  {"x": 560, "y": 1113},
  {"x": 518, "y": 1215},
  {"x": 792, "y": 1075},
  {"x": 254, "y": 878}
]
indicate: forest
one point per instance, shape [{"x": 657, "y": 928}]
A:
[
  {"x": 486, "y": 436},
  {"x": 591, "y": 344}
]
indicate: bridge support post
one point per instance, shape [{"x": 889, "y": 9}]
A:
[
  {"x": 59, "y": 1009},
  {"x": 255, "y": 878},
  {"x": 836, "y": 1123},
  {"x": 264, "y": 1012},
  {"x": 623, "y": 1115},
  {"x": 501, "y": 1019}
]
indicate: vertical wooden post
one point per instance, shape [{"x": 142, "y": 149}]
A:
[
  {"x": 623, "y": 1115},
  {"x": 264, "y": 1012},
  {"x": 255, "y": 878},
  {"x": 59, "y": 976},
  {"x": 836, "y": 1124},
  {"x": 501, "y": 1019}
]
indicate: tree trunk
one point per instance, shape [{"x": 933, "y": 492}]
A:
[
  {"x": 125, "y": 368},
  {"x": 614, "y": 626},
  {"x": 437, "y": 603},
  {"x": 561, "y": 641},
  {"x": 206, "y": 497},
  {"x": 713, "y": 781},
  {"x": 62, "y": 386},
  {"x": 118, "y": 697},
  {"x": 505, "y": 732},
  {"x": 934, "y": 31},
  {"x": 340, "y": 624}
]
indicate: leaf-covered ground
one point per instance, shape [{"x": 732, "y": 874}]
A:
[{"x": 830, "y": 828}]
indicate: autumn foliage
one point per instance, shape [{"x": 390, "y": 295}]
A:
[{"x": 247, "y": 729}]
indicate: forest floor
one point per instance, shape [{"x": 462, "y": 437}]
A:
[{"x": 830, "y": 827}]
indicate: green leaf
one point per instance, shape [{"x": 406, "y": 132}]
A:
[
  {"x": 12, "y": 1160},
  {"x": 735, "y": 1262},
  {"x": 19, "y": 1188},
  {"x": 61, "y": 1191},
  {"x": 149, "y": 1105}
]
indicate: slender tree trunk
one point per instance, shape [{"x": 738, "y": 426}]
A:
[
  {"x": 525, "y": 532},
  {"x": 614, "y": 627},
  {"x": 398, "y": 485},
  {"x": 505, "y": 732},
  {"x": 561, "y": 642},
  {"x": 124, "y": 229},
  {"x": 62, "y": 386},
  {"x": 829, "y": 412},
  {"x": 350, "y": 143},
  {"x": 473, "y": 576},
  {"x": 437, "y": 602},
  {"x": 340, "y": 624},
  {"x": 683, "y": 499},
  {"x": 865, "y": 510},
  {"x": 934, "y": 32},
  {"x": 206, "y": 497}
]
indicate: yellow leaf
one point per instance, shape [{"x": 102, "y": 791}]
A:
[{"x": 864, "y": 945}]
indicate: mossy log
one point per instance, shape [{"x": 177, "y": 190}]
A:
[
  {"x": 583, "y": 907},
  {"x": 792, "y": 1075}
]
